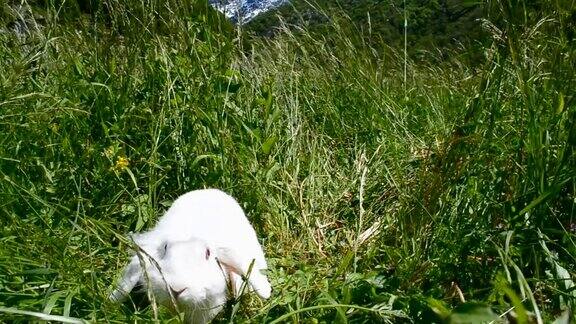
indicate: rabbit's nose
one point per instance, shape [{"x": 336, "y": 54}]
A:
[{"x": 177, "y": 293}]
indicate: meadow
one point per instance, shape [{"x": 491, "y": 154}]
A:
[{"x": 385, "y": 187}]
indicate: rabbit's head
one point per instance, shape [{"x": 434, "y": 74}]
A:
[
  {"x": 192, "y": 275},
  {"x": 191, "y": 272}
]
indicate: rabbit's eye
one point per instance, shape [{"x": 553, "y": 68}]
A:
[
  {"x": 165, "y": 248},
  {"x": 207, "y": 253}
]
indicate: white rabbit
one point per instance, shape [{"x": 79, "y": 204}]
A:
[{"x": 200, "y": 247}]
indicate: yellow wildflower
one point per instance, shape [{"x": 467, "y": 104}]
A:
[{"x": 121, "y": 163}]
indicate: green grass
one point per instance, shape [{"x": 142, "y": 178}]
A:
[{"x": 446, "y": 198}]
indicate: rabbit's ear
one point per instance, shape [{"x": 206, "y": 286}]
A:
[
  {"x": 131, "y": 276},
  {"x": 231, "y": 261},
  {"x": 240, "y": 265}
]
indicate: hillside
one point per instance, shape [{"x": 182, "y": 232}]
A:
[
  {"x": 115, "y": 16},
  {"x": 383, "y": 187},
  {"x": 430, "y": 23}
]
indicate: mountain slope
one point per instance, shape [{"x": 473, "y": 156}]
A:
[{"x": 439, "y": 23}]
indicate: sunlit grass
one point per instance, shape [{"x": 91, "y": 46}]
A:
[{"x": 376, "y": 200}]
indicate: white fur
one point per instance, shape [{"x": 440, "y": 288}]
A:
[{"x": 197, "y": 221}]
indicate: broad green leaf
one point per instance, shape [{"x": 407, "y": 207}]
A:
[
  {"x": 560, "y": 107},
  {"x": 51, "y": 301},
  {"x": 68, "y": 303},
  {"x": 267, "y": 146},
  {"x": 438, "y": 307},
  {"x": 472, "y": 313}
]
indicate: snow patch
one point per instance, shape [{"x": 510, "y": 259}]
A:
[{"x": 242, "y": 11}]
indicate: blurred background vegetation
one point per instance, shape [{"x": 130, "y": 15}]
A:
[
  {"x": 435, "y": 184},
  {"x": 431, "y": 24}
]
